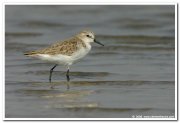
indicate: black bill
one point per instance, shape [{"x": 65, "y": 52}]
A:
[{"x": 98, "y": 42}]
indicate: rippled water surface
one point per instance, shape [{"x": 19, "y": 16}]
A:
[{"x": 134, "y": 74}]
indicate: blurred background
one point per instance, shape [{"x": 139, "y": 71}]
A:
[{"x": 134, "y": 74}]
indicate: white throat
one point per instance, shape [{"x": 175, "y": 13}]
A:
[{"x": 87, "y": 42}]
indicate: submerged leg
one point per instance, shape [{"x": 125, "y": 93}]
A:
[{"x": 51, "y": 72}]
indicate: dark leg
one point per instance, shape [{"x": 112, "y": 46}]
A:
[
  {"x": 68, "y": 79},
  {"x": 67, "y": 75},
  {"x": 51, "y": 72}
]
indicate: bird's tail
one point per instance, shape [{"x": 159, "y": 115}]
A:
[{"x": 31, "y": 53}]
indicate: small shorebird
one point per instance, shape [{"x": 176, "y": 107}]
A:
[{"x": 66, "y": 52}]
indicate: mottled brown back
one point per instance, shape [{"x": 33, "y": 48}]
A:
[{"x": 66, "y": 47}]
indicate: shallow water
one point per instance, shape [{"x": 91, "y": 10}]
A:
[{"x": 134, "y": 74}]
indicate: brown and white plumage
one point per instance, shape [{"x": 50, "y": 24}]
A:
[{"x": 67, "y": 47}]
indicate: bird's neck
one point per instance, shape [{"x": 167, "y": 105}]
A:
[
  {"x": 88, "y": 45},
  {"x": 85, "y": 43}
]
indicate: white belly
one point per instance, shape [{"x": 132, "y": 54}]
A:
[{"x": 64, "y": 59}]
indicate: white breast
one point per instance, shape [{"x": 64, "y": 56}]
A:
[{"x": 80, "y": 53}]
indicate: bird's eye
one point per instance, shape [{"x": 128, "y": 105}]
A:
[{"x": 88, "y": 36}]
